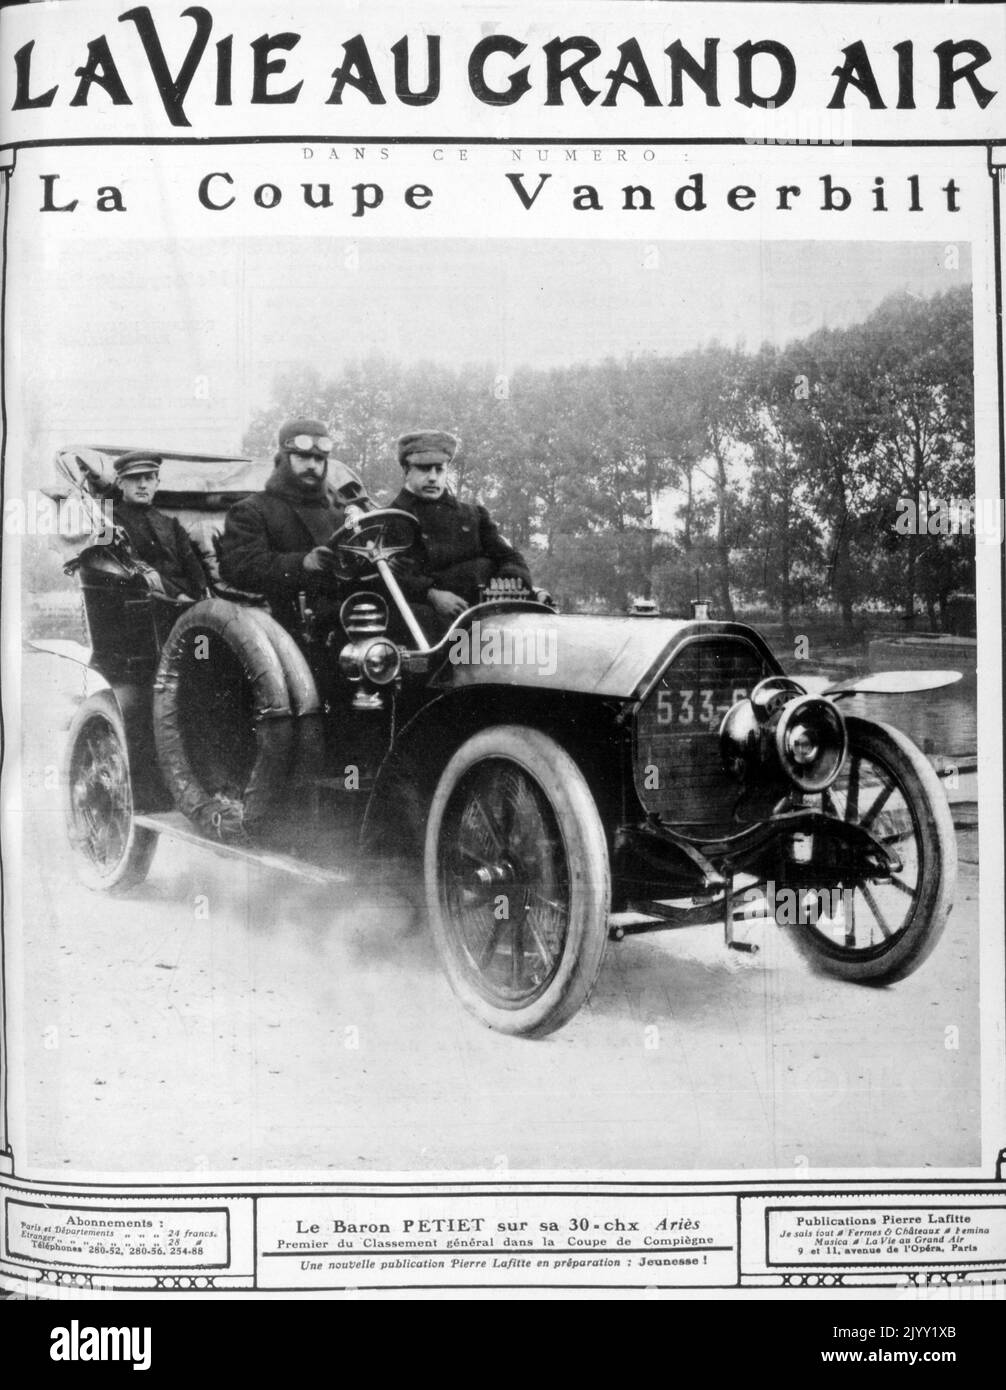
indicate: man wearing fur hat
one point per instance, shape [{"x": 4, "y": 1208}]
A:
[
  {"x": 459, "y": 548},
  {"x": 274, "y": 542}
]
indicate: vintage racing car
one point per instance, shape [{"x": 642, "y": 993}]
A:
[{"x": 556, "y": 780}]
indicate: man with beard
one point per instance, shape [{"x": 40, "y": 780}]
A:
[{"x": 274, "y": 541}]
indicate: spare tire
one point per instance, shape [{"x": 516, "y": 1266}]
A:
[
  {"x": 300, "y": 684},
  {"x": 309, "y": 735},
  {"x": 223, "y": 718}
]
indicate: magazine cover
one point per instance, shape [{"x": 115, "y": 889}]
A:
[{"x": 501, "y": 650}]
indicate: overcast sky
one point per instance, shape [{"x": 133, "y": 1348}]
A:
[{"x": 177, "y": 343}]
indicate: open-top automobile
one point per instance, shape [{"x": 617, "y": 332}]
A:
[{"x": 554, "y": 780}]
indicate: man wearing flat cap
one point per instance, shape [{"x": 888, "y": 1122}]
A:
[
  {"x": 274, "y": 542},
  {"x": 460, "y": 548},
  {"x": 156, "y": 538}
]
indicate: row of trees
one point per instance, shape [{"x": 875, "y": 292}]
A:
[{"x": 768, "y": 478}]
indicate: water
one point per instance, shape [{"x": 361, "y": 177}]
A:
[{"x": 942, "y": 722}]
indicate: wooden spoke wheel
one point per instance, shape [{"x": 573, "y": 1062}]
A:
[
  {"x": 881, "y": 929},
  {"x": 110, "y": 852},
  {"x": 518, "y": 884}
]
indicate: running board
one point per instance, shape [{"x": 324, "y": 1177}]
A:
[{"x": 174, "y": 825}]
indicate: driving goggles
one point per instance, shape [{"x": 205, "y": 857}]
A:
[{"x": 304, "y": 443}]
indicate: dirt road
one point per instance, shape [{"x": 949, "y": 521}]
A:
[{"x": 235, "y": 1022}]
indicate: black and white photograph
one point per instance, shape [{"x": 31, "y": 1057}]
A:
[
  {"x": 683, "y": 544},
  {"x": 492, "y": 640}
]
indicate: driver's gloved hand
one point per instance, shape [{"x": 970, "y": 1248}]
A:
[{"x": 321, "y": 560}]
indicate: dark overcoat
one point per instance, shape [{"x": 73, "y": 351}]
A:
[
  {"x": 263, "y": 545},
  {"x": 459, "y": 548},
  {"x": 161, "y": 542}
]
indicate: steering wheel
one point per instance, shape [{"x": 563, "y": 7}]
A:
[{"x": 372, "y": 536}]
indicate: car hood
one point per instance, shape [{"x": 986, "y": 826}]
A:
[{"x": 612, "y": 657}]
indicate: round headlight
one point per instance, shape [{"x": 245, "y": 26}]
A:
[
  {"x": 381, "y": 661},
  {"x": 811, "y": 741}
]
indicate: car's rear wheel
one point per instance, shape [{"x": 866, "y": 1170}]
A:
[
  {"x": 879, "y": 930},
  {"x": 110, "y": 851},
  {"x": 517, "y": 880}
]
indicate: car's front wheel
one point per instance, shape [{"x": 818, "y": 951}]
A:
[
  {"x": 879, "y": 930},
  {"x": 517, "y": 880}
]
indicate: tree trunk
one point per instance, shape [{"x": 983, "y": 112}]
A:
[
  {"x": 914, "y": 538},
  {"x": 913, "y": 541},
  {"x": 722, "y": 542},
  {"x": 648, "y": 540},
  {"x": 785, "y": 587},
  {"x": 686, "y": 537},
  {"x": 841, "y": 576}
]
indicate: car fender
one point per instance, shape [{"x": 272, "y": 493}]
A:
[
  {"x": 78, "y": 654},
  {"x": 587, "y": 727}
]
